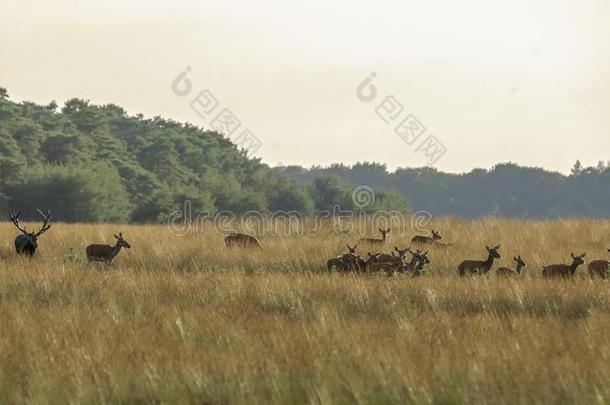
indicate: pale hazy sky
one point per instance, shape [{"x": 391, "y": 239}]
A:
[{"x": 524, "y": 80}]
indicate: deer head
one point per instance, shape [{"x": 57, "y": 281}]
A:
[
  {"x": 401, "y": 252},
  {"x": 436, "y": 235},
  {"x": 384, "y": 232},
  {"x": 121, "y": 242},
  {"x": 372, "y": 258},
  {"x": 493, "y": 252},
  {"x": 352, "y": 250},
  {"x": 423, "y": 257},
  {"x": 519, "y": 260},
  {"x": 578, "y": 260}
]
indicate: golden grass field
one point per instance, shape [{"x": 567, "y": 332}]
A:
[{"x": 182, "y": 319}]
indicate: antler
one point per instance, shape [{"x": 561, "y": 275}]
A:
[
  {"x": 15, "y": 220},
  {"x": 45, "y": 222}
]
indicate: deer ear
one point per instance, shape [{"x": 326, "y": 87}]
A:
[
  {"x": 572, "y": 254},
  {"x": 487, "y": 247},
  {"x": 583, "y": 255},
  {"x": 515, "y": 259},
  {"x": 396, "y": 249},
  {"x": 497, "y": 247}
]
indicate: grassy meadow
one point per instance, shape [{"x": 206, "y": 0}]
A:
[{"x": 183, "y": 319}]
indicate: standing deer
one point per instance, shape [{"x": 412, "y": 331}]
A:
[
  {"x": 105, "y": 253},
  {"x": 479, "y": 266},
  {"x": 27, "y": 242},
  {"x": 374, "y": 241},
  {"x": 242, "y": 240},
  {"x": 599, "y": 268},
  {"x": 505, "y": 271},
  {"x": 563, "y": 270}
]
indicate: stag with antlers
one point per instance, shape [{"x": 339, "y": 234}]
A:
[{"x": 27, "y": 242}]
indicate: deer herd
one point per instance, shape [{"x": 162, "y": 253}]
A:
[
  {"x": 391, "y": 263},
  {"x": 395, "y": 262}
]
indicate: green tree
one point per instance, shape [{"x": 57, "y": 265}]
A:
[
  {"x": 327, "y": 192},
  {"x": 92, "y": 193}
]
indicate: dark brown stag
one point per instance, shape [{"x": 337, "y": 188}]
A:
[
  {"x": 27, "y": 242},
  {"x": 563, "y": 270},
  {"x": 479, "y": 266},
  {"x": 242, "y": 240},
  {"x": 105, "y": 253}
]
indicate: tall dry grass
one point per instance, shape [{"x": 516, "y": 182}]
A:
[{"x": 181, "y": 319}]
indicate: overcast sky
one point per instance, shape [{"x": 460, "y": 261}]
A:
[{"x": 526, "y": 81}]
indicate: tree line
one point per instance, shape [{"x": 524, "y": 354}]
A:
[
  {"x": 96, "y": 163},
  {"x": 506, "y": 190}
]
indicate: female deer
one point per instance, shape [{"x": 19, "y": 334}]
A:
[
  {"x": 416, "y": 265},
  {"x": 105, "y": 253},
  {"x": 386, "y": 257},
  {"x": 479, "y": 266},
  {"x": 505, "y": 271},
  {"x": 242, "y": 240},
  {"x": 563, "y": 270},
  {"x": 345, "y": 261},
  {"x": 421, "y": 239},
  {"x": 374, "y": 241},
  {"x": 599, "y": 268},
  {"x": 389, "y": 267}
]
